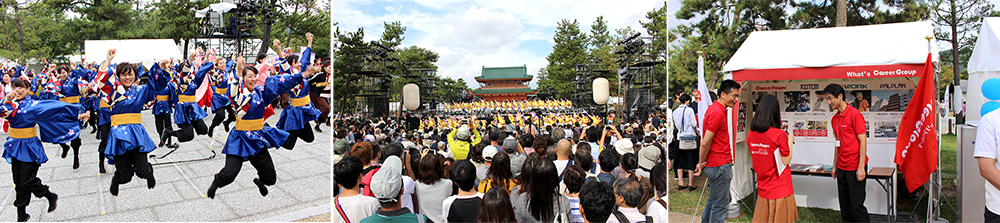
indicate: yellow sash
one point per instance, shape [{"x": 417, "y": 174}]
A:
[
  {"x": 22, "y": 133},
  {"x": 249, "y": 125},
  {"x": 303, "y": 101},
  {"x": 71, "y": 99},
  {"x": 187, "y": 98},
  {"x": 127, "y": 118},
  {"x": 163, "y": 97}
]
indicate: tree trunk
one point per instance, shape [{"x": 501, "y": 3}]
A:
[
  {"x": 841, "y": 13},
  {"x": 267, "y": 33},
  {"x": 954, "y": 44}
]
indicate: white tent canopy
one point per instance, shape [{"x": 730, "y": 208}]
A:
[
  {"x": 145, "y": 51},
  {"x": 983, "y": 64},
  {"x": 222, "y": 7},
  {"x": 767, "y": 55},
  {"x": 896, "y": 43}
]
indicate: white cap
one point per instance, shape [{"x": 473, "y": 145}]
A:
[{"x": 387, "y": 182}]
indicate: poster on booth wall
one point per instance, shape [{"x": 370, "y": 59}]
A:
[{"x": 805, "y": 110}]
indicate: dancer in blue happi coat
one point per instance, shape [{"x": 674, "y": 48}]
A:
[
  {"x": 187, "y": 114},
  {"x": 32, "y": 122},
  {"x": 70, "y": 87},
  {"x": 295, "y": 118},
  {"x": 128, "y": 143},
  {"x": 220, "y": 79},
  {"x": 249, "y": 140},
  {"x": 166, "y": 100}
]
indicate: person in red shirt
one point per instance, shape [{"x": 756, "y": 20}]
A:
[
  {"x": 766, "y": 139},
  {"x": 715, "y": 156},
  {"x": 850, "y": 155}
]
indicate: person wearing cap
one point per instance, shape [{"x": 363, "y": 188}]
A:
[
  {"x": 487, "y": 156},
  {"x": 461, "y": 140},
  {"x": 387, "y": 185},
  {"x": 351, "y": 205},
  {"x": 850, "y": 155},
  {"x": 250, "y": 139},
  {"x": 715, "y": 157},
  {"x": 648, "y": 157},
  {"x": 516, "y": 153}
]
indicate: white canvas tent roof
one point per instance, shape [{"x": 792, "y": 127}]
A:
[
  {"x": 984, "y": 56},
  {"x": 896, "y": 43},
  {"x": 145, "y": 51}
]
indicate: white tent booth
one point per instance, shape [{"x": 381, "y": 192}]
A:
[
  {"x": 984, "y": 65},
  {"x": 878, "y": 65}
]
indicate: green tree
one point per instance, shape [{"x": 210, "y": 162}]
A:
[
  {"x": 570, "y": 49},
  {"x": 101, "y": 19},
  {"x": 349, "y": 58},
  {"x": 657, "y": 28},
  {"x": 393, "y": 34},
  {"x": 819, "y": 14},
  {"x": 298, "y": 17},
  {"x": 962, "y": 19},
  {"x": 33, "y": 30},
  {"x": 599, "y": 33},
  {"x": 175, "y": 19}
]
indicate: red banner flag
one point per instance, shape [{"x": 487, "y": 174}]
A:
[{"x": 917, "y": 145}]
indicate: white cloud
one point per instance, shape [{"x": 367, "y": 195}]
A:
[
  {"x": 471, "y": 34},
  {"x": 478, "y": 29}
]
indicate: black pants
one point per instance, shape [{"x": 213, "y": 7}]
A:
[
  {"x": 187, "y": 131},
  {"x": 262, "y": 162},
  {"x": 220, "y": 116},
  {"x": 990, "y": 217},
  {"x": 26, "y": 182},
  {"x": 75, "y": 144},
  {"x": 131, "y": 163},
  {"x": 852, "y": 196},
  {"x": 163, "y": 123},
  {"x": 102, "y": 134},
  {"x": 306, "y": 134}
]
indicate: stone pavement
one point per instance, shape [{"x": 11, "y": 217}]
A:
[{"x": 304, "y": 176}]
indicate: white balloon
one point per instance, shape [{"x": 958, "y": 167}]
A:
[
  {"x": 411, "y": 96},
  {"x": 601, "y": 91}
]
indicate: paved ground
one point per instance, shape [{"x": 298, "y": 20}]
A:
[{"x": 303, "y": 184}]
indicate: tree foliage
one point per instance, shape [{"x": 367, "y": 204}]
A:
[
  {"x": 725, "y": 24},
  {"x": 295, "y": 18},
  {"x": 570, "y": 49},
  {"x": 959, "y": 22},
  {"x": 32, "y": 30}
]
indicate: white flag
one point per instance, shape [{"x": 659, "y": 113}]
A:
[{"x": 705, "y": 99}]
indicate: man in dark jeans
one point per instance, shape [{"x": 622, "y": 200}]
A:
[
  {"x": 850, "y": 156},
  {"x": 714, "y": 155}
]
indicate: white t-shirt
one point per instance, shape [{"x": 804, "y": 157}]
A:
[
  {"x": 560, "y": 165},
  {"x": 356, "y": 207},
  {"x": 406, "y": 200},
  {"x": 657, "y": 211},
  {"x": 632, "y": 214},
  {"x": 446, "y": 204},
  {"x": 986, "y": 147},
  {"x": 690, "y": 121}
]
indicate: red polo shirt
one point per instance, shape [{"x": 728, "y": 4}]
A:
[
  {"x": 847, "y": 125},
  {"x": 762, "y": 145},
  {"x": 716, "y": 121}
]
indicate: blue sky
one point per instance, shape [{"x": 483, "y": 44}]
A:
[{"x": 471, "y": 34}]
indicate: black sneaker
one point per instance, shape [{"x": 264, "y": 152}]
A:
[
  {"x": 211, "y": 190},
  {"x": 260, "y": 187},
  {"x": 52, "y": 197}
]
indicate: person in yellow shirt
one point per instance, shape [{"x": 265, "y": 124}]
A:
[{"x": 461, "y": 140}]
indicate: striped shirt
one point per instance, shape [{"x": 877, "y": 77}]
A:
[{"x": 574, "y": 208}]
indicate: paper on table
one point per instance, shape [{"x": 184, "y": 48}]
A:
[{"x": 777, "y": 161}]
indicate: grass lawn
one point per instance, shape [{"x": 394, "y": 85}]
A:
[{"x": 687, "y": 202}]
